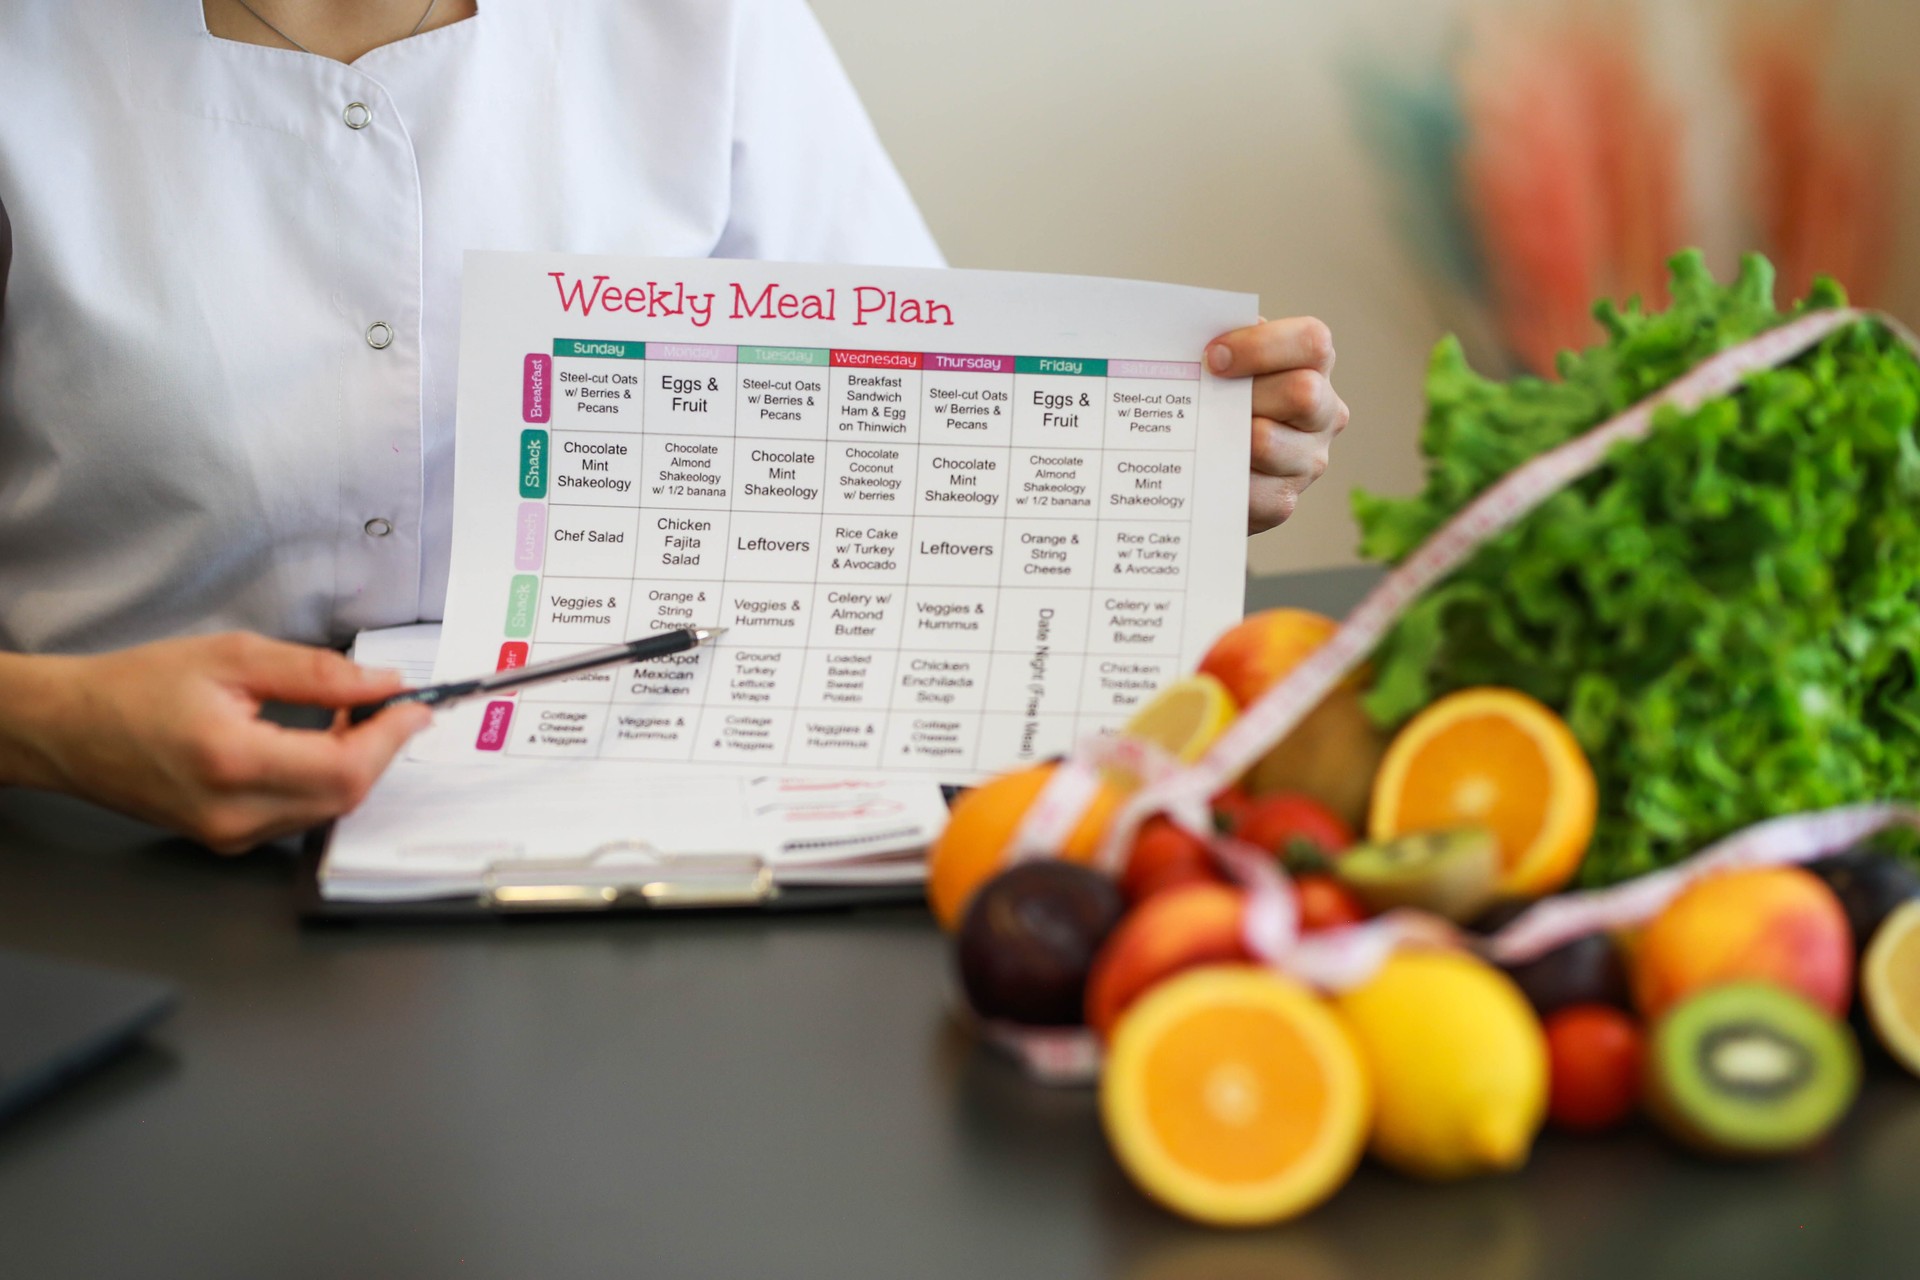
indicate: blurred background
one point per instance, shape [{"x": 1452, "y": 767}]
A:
[{"x": 1404, "y": 168}]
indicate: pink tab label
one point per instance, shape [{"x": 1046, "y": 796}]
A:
[
  {"x": 536, "y": 391},
  {"x": 493, "y": 726},
  {"x": 701, "y": 352},
  {"x": 1174, "y": 370},
  {"x": 530, "y": 539}
]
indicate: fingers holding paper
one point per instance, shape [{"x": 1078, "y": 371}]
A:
[{"x": 1296, "y": 412}]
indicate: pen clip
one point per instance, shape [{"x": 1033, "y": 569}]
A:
[
  {"x": 629, "y": 873},
  {"x": 431, "y": 695}
]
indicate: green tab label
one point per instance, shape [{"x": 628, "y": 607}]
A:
[
  {"x": 523, "y": 593},
  {"x": 816, "y": 356},
  {"x": 533, "y": 464},
  {"x": 598, "y": 349},
  {"x": 1060, "y": 365}
]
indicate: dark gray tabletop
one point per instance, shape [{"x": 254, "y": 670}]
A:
[{"x": 723, "y": 1097}]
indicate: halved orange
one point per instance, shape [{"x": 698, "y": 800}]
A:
[
  {"x": 973, "y": 845},
  {"x": 1499, "y": 759},
  {"x": 1234, "y": 1096}
]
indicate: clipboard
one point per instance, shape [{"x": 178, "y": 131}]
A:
[
  {"x": 558, "y": 888},
  {"x": 642, "y": 881}
]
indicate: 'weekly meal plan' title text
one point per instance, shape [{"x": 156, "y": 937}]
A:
[{"x": 867, "y": 305}]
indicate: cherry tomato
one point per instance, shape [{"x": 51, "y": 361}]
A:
[
  {"x": 1288, "y": 824},
  {"x": 1230, "y": 809},
  {"x": 1164, "y": 855},
  {"x": 1594, "y": 1054},
  {"x": 1325, "y": 903}
]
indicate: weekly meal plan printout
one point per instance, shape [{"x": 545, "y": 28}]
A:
[{"x": 951, "y": 520}]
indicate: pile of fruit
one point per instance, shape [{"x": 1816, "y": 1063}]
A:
[
  {"x": 1661, "y": 654},
  {"x": 1238, "y": 1095}
]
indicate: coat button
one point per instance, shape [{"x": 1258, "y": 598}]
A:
[
  {"x": 357, "y": 115},
  {"x": 379, "y": 335},
  {"x": 378, "y": 528}
]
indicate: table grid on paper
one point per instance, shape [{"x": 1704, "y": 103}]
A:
[{"x": 924, "y": 560}]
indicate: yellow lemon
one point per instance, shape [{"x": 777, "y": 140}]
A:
[
  {"x": 1185, "y": 717},
  {"x": 1458, "y": 1061}
]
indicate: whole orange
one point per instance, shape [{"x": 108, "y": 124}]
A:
[{"x": 981, "y": 826}]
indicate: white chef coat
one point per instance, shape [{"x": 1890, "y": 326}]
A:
[{"x": 227, "y": 359}]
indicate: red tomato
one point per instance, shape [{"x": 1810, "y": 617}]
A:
[
  {"x": 1594, "y": 1054},
  {"x": 1325, "y": 903},
  {"x": 1164, "y": 855},
  {"x": 1230, "y": 809},
  {"x": 1287, "y": 823}
]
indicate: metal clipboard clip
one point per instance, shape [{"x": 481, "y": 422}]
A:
[{"x": 629, "y": 873}]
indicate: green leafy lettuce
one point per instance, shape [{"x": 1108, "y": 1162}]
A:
[{"x": 1727, "y": 612}]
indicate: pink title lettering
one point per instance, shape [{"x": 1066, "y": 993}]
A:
[{"x": 673, "y": 300}]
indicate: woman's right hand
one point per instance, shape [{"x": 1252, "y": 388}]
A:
[{"x": 171, "y": 732}]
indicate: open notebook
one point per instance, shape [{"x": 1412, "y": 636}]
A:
[{"x": 434, "y": 829}]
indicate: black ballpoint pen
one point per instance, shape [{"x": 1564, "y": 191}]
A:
[{"x": 658, "y": 645}]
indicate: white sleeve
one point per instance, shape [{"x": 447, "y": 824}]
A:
[{"x": 811, "y": 182}]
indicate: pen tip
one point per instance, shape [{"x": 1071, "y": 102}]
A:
[{"x": 704, "y": 634}]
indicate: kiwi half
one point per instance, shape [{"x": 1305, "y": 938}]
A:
[
  {"x": 1750, "y": 1069},
  {"x": 1455, "y": 874}
]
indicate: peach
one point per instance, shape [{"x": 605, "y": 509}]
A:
[
  {"x": 1773, "y": 924},
  {"x": 1333, "y": 754},
  {"x": 1165, "y": 856},
  {"x": 1251, "y": 656},
  {"x": 1170, "y": 932}
]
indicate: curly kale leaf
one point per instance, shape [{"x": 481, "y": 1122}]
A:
[{"x": 1727, "y": 612}]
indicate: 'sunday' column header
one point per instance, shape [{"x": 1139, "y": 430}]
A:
[{"x": 599, "y": 349}]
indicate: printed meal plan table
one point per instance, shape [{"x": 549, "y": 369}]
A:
[{"x": 951, "y": 520}]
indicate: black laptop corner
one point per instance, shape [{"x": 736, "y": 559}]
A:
[{"x": 59, "y": 1020}]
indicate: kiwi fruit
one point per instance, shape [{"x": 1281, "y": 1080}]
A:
[
  {"x": 1455, "y": 874},
  {"x": 1029, "y": 937},
  {"x": 1870, "y": 884},
  {"x": 1750, "y": 1069}
]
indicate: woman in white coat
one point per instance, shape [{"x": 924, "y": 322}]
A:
[{"x": 227, "y": 335}]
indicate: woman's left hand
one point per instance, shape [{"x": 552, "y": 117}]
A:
[{"x": 1296, "y": 414}]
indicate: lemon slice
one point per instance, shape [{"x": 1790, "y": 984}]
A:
[
  {"x": 1185, "y": 717},
  {"x": 1890, "y": 984}
]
